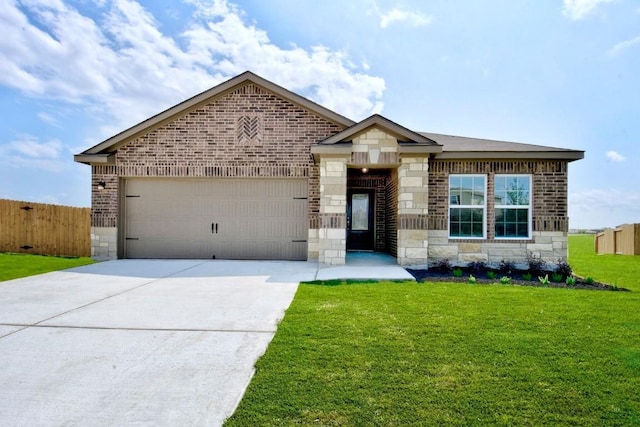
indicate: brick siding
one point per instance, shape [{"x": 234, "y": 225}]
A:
[
  {"x": 549, "y": 190},
  {"x": 391, "y": 196},
  {"x": 248, "y": 132}
]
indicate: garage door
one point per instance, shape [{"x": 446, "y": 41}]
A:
[{"x": 216, "y": 218}]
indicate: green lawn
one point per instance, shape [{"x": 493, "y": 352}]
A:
[
  {"x": 621, "y": 270},
  {"x": 13, "y": 266},
  {"x": 455, "y": 354}
]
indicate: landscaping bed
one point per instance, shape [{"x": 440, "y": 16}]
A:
[
  {"x": 514, "y": 279},
  {"x": 535, "y": 272}
]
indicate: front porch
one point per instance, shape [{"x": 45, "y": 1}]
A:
[
  {"x": 365, "y": 265},
  {"x": 373, "y": 193}
]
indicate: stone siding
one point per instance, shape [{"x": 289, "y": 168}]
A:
[
  {"x": 333, "y": 210},
  {"x": 551, "y": 246},
  {"x": 413, "y": 209},
  {"x": 374, "y": 147},
  {"x": 104, "y": 243}
]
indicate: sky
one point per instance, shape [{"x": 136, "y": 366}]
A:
[{"x": 562, "y": 73}]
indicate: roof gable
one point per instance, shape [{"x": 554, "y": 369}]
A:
[
  {"x": 99, "y": 153},
  {"x": 401, "y": 133},
  {"x": 409, "y": 142}
]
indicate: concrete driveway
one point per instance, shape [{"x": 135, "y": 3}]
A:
[{"x": 126, "y": 342}]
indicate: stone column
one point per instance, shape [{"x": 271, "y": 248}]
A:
[
  {"x": 413, "y": 209},
  {"x": 332, "y": 235}
]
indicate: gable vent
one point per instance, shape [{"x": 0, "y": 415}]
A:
[{"x": 250, "y": 129}]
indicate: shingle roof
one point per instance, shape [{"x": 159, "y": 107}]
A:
[
  {"x": 454, "y": 147},
  {"x": 465, "y": 147}
]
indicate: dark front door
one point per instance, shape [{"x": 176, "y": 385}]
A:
[{"x": 360, "y": 220}]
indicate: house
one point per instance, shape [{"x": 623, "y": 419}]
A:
[{"x": 250, "y": 170}]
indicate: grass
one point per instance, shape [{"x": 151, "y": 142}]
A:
[
  {"x": 620, "y": 270},
  {"x": 13, "y": 266},
  {"x": 454, "y": 354}
]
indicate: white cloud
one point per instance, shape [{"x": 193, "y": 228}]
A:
[
  {"x": 597, "y": 208},
  {"x": 120, "y": 65},
  {"x": 579, "y": 9},
  {"x": 28, "y": 152},
  {"x": 28, "y": 146},
  {"x": 397, "y": 15},
  {"x": 623, "y": 46},
  {"x": 614, "y": 156},
  {"x": 49, "y": 119}
]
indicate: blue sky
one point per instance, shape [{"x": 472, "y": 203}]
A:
[{"x": 562, "y": 73}]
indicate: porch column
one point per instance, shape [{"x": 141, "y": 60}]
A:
[
  {"x": 332, "y": 235},
  {"x": 413, "y": 209}
]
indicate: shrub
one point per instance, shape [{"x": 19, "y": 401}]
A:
[
  {"x": 557, "y": 277},
  {"x": 472, "y": 279},
  {"x": 457, "y": 272},
  {"x": 477, "y": 267},
  {"x": 527, "y": 276},
  {"x": 491, "y": 274},
  {"x": 536, "y": 264},
  {"x": 589, "y": 280},
  {"x": 443, "y": 266},
  {"x": 544, "y": 280},
  {"x": 506, "y": 267},
  {"x": 563, "y": 268},
  {"x": 505, "y": 280},
  {"x": 571, "y": 281}
]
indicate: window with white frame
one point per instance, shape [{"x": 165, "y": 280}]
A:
[
  {"x": 512, "y": 206},
  {"x": 467, "y": 206}
]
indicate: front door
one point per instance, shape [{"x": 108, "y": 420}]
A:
[{"x": 360, "y": 227}]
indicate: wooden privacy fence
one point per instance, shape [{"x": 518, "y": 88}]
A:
[
  {"x": 44, "y": 229},
  {"x": 622, "y": 240}
]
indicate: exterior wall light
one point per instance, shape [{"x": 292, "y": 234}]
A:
[
  {"x": 365, "y": 170},
  {"x": 102, "y": 185}
]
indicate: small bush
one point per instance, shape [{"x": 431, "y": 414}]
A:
[
  {"x": 571, "y": 281},
  {"x": 442, "y": 266},
  {"x": 457, "y": 272},
  {"x": 527, "y": 276},
  {"x": 563, "y": 268},
  {"x": 477, "y": 267},
  {"x": 544, "y": 280},
  {"x": 505, "y": 280},
  {"x": 506, "y": 267},
  {"x": 589, "y": 280},
  {"x": 536, "y": 264},
  {"x": 557, "y": 277},
  {"x": 472, "y": 279},
  {"x": 491, "y": 275}
]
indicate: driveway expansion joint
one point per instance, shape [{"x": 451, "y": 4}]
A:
[
  {"x": 115, "y": 295},
  {"x": 109, "y": 328}
]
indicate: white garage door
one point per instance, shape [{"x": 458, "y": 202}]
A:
[{"x": 216, "y": 218}]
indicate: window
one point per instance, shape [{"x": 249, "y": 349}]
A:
[
  {"x": 513, "y": 206},
  {"x": 467, "y": 206}
]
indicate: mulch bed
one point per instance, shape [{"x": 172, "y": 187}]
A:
[{"x": 432, "y": 275}]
